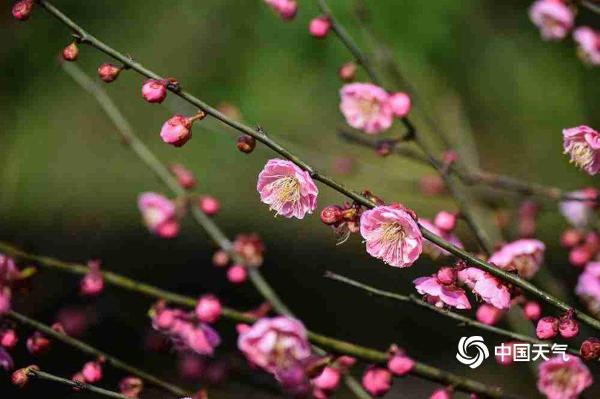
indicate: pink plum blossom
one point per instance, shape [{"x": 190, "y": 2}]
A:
[
  {"x": 237, "y": 274},
  {"x": 92, "y": 372},
  {"x": 547, "y": 327},
  {"x": 392, "y": 235},
  {"x": 400, "y": 364},
  {"x": 554, "y": 18},
  {"x": 377, "y": 381},
  {"x": 287, "y": 189},
  {"x": 488, "y": 287},
  {"x": 208, "y": 309},
  {"x": 578, "y": 213},
  {"x": 159, "y": 214},
  {"x": 275, "y": 343},
  {"x": 524, "y": 256},
  {"x": 588, "y": 41},
  {"x": 286, "y": 9},
  {"x": 433, "y": 250},
  {"x": 328, "y": 380},
  {"x": 582, "y": 143},
  {"x": 441, "y": 394},
  {"x": 93, "y": 282},
  {"x": 442, "y": 294},
  {"x": 588, "y": 286},
  {"x": 563, "y": 379},
  {"x": 488, "y": 314},
  {"x": 366, "y": 107}
]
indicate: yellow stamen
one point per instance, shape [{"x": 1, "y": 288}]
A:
[{"x": 286, "y": 190}]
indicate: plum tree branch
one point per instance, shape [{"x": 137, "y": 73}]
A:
[
  {"x": 332, "y": 344},
  {"x": 81, "y": 386},
  {"x": 262, "y": 137},
  {"x": 90, "y": 350}
]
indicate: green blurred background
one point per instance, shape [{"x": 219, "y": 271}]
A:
[{"x": 68, "y": 188}]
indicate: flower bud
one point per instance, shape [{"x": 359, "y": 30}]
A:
[
  {"x": 488, "y": 314},
  {"x": 71, "y": 52},
  {"x": 92, "y": 372},
  {"x": 400, "y": 364},
  {"x": 37, "y": 344},
  {"x": 441, "y": 394},
  {"x": 154, "y": 91},
  {"x": 220, "y": 258},
  {"x": 592, "y": 241},
  {"x": 570, "y": 238},
  {"x": 400, "y": 103},
  {"x": 185, "y": 177},
  {"x": 209, "y": 205},
  {"x": 547, "y": 327},
  {"x": 328, "y": 380},
  {"x": 22, "y": 9},
  {"x": 208, "y": 309},
  {"x": 445, "y": 221},
  {"x": 131, "y": 386},
  {"x": 590, "y": 349},
  {"x": 108, "y": 72},
  {"x": 176, "y": 131},
  {"x": 347, "y": 72},
  {"x": 237, "y": 274},
  {"x": 8, "y": 338},
  {"x": 21, "y": 376},
  {"x": 568, "y": 327},
  {"x": 580, "y": 255},
  {"x": 246, "y": 143},
  {"x": 377, "y": 381},
  {"x": 319, "y": 27},
  {"x": 446, "y": 275},
  {"x": 506, "y": 359},
  {"x": 533, "y": 310},
  {"x": 331, "y": 214},
  {"x": 384, "y": 148}
]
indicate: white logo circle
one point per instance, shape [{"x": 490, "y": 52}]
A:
[{"x": 465, "y": 344}]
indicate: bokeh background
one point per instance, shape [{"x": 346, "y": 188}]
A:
[{"x": 68, "y": 188}]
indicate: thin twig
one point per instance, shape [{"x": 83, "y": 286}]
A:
[
  {"x": 334, "y": 345},
  {"x": 80, "y": 386},
  {"x": 275, "y": 146},
  {"x": 90, "y": 350},
  {"x": 415, "y": 301}
]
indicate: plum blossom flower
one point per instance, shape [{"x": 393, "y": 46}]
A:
[
  {"x": 554, "y": 18},
  {"x": 275, "y": 343},
  {"x": 392, "y": 235},
  {"x": 287, "y": 189},
  {"x": 440, "y": 294},
  {"x": 582, "y": 143},
  {"x": 579, "y": 213},
  {"x": 563, "y": 379},
  {"x": 588, "y": 41},
  {"x": 525, "y": 256},
  {"x": 588, "y": 286},
  {"x": 488, "y": 287},
  {"x": 433, "y": 250},
  {"x": 366, "y": 107},
  {"x": 286, "y": 9},
  {"x": 159, "y": 214}
]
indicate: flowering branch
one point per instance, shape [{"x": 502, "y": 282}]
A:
[
  {"x": 334, "y": 345},
  {"x": 213, "y": 230},
  {"x": 90, "y": 350},
  {"x": 472, "y": 176},
  {"x": 78, "y": 385},
  {"x": 413, "y": 300}
]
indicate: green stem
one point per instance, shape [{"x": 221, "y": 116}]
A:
[
  {"x": 81, "y": 386},
  {"x": 90, "y": 350},
  {"x": 331, "y": 344}
]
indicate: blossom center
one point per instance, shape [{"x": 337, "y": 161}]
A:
[
  {"x": 562, "y": 378},
  {"x": 285, "y": 190},
  {"x": 369, "y": 107},
  {"x": 392, "y": 233},
  {"x": 581, "y": 154}
]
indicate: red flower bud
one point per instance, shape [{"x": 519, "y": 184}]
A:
[
  {"x": 21, "y": 376},
  {"x": 71, "y": 52},
  {"x": 246, "y": 143},
  {"x": 590, "y": 349},
  {"x": 154, "y": 91},
  {"x": 331, "y": 214},
  {"x": 22, "y": 9},
  {"x": 209, "y": 205},
  {"x": 108, "y": 72},
  {"x": 347, "y": 72}
]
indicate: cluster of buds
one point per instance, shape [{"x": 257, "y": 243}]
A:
[
  {"x": 249, "y": 251},
  {"x": 345, "y": 219},
  {"x": 184, "y": 329},
  {"x": 549, "y": 327}
]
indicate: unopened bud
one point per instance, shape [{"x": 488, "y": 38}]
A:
[
  {"x": 319, "y": 27},
  {"x": 22, "y": 9},
  {"x": 108, "y": 72},
  {"x": 154, "y": 91},
  {"x": 590, "y": 349},
  {"x": 347, "y": 72},
  {"x": 331, "y": 214},
  {"x": 246, "y": 143},
  {"x": 209, "y": 205},
  {"x": 71, "y": 52}
]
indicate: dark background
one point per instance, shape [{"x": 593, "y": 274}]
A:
[{"x": 68, "y": 188}]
